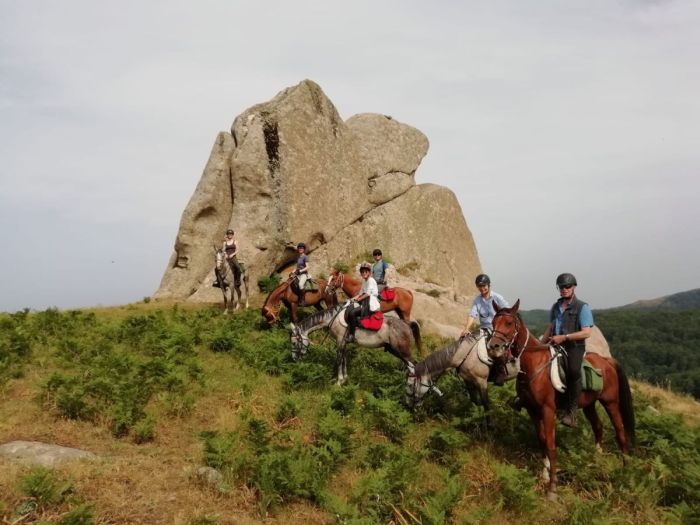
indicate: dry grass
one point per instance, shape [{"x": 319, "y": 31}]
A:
[
  {"x": 154, "y": 483},
  {"x": 669, "y": 401}
]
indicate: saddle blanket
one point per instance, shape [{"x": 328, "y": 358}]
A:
[
  {"x": 591, "y": 378},
  {"x": 387, "y": 294},
  {"x": 310, "y": 285},
  {"x": 372, "y": 322}
]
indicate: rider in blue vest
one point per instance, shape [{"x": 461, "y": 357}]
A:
[
  {"x": 570, "y": 323},
  {"x": 379, "y": 269}
]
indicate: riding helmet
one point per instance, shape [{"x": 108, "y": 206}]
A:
[
  {"x": 301, "y": 245},
  {"x": 366, "y": 266},
  {"x": 566, "y": 279},
  {"x": 229, "y": 231},
  {"x": 482, "y": 279},
  {"x": 376, "y": 251}
]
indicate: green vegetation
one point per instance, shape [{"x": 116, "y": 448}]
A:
[
  {"x": 658, "y": 346},
  {"x": 267, "y": 284},
  {"x": 284, "y": 437}
]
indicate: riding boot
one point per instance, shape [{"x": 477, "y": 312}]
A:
[
  {"x": 301, "y": 302},
  {"x": 569, "y": 418},
  {"x": 516, "y": 404}
]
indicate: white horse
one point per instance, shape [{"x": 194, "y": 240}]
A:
[
  {"x": 469, "y": 357},
  {"x": 226, "y": 282},
  {"x": 395, "y": 336}
]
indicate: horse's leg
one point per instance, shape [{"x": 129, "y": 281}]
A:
[
  {"x": 245, "y": 287},
  {"x": 237, "y": 302},
  {"x": 537, "y": 420},
  {"x": 484, "y": 396},
  {"x": 548, "y": 422},
  {"x": 613, "y": 410},
  {"x": 339, "y": 358},
  {"x": 592, "y": 416},
  {"x": 293, "y": 311}
]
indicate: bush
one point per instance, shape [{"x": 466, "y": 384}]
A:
[
  {"x": 267, "y": 284},
  {"x": 43, "y": 485},
  {"x": 288, "y": 409},
  {"x": 388, "y": 417},
  {"x": 443, "y": 444},
  {"x": 515, "y": 488}
]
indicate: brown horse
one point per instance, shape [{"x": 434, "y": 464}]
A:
[
  {"x": 401, "y": 303},
  {"x": 284, "y": 294},
  {"x": 535, "y": 389}
]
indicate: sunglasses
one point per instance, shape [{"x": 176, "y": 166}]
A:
[{"x": 565, "y": 286}]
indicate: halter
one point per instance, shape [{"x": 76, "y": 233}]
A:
[{"x": 411, "y": 390}]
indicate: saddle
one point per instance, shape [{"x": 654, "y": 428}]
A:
[
  {"x": 591, "y": 378},
  {"x": 373, "y": 321},
  {"x": 387, "y": 294}
]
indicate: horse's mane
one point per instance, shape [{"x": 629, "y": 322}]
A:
[
  {"x": 277, "y": 291},
  {"x": 319, "y": 317},
  {"x": 439, "y": 360}
]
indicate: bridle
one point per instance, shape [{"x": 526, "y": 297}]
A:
[
  {"x": 336, "y": 281},
  {"x": 512, "y": 342}
]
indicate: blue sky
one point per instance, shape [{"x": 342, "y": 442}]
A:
[{"x": 569, "y": 131}]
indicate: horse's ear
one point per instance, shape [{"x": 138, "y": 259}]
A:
[
  {"x": 495, "y": 306},
  {"x": 516, "y": 306}
]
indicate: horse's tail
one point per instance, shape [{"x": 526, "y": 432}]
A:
[
  {"x": 626, "y": 408},
  {"x": 415, "y": 328}
]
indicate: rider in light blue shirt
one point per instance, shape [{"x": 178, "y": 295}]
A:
[{"x": 482, "y": 308}]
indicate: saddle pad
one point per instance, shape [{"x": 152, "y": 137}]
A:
[
  {"x": 481, "y": 352},
  {"x": 310, "y": 285},
  {"x": 372, "y": 322},
  {"x": 387, "y": 294},
  {"x": 591, "y": 378}
]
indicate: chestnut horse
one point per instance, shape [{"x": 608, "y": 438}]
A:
[
  {"x": 535, "y": 390},
  {"x": 401, "y": 303},
  {"x": 284, "y": 294}
]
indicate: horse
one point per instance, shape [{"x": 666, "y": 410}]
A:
[
  {"x": 401, "y": 303},
  {"x": 538, "y": 396},
  {"x": 470, "y": 362},
  {"x": 225, "y": 281},
  {"x": 395, "y": 336},
  {"x": 284, "y": 294}
]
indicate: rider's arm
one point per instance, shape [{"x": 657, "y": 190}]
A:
[
  {"x": 473, "y": 314},
  {"x": 547, "y": 333}
]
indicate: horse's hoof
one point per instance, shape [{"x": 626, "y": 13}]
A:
[
  {"x": 551, "y": 495},
  {"x": 598, "y": 448}
]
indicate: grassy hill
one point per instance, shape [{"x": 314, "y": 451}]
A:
[
  {"x": 159, "y": 391},
  {"x": 679, "y": 301}
]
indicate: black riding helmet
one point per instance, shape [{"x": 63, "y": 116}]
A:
[
  {"x": 229, "y": 231},
  {"x": 301, "y": 245},
  {"x": 566, "y": 279},
  {"x": 482, "y": 279},
  {"x": 376, "y": 251}
]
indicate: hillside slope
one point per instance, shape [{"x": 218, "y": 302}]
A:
[{"x": 159, "y": 392}]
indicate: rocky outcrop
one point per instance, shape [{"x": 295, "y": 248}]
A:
[
  {"x": 292, "y": 170},
  {"x": 44, "y": 454}
]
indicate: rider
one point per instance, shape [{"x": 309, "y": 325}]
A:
[
  {"x": 570, "y": 325},
  {"x": 230, "y": 247},
  {"x": 379, "y": 269},
  {"x": 482, "y": 307},
  {"x": 366, "y": 299},
  {"x": 302, "y": 270}
]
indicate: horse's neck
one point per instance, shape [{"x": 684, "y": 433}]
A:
[
  {"x": 534, "y": 352},
  {"x": 440, "y": 361},
  {"x": 350, "y": 285},
  {"x": 276, "y": 295},
  {"x": 319, "y": 320}
]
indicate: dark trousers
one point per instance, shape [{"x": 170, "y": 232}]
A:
[
  {"x": 357, "y": 312},
  {"x": 236, "y": 269},
  {"x": 573, "y": 374}
]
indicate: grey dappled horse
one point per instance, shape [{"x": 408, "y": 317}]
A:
[
  {"x": 461, "y": 355},
  {"x": 395, "y": 336},
  {"x": 225, "y": 278}
]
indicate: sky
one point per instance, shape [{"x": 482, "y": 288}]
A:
[{"x": 569, "y": 131}]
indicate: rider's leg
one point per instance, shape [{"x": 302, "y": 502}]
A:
[
  {"x": 301, "y": 283},
  {"x": 573, "y": 384}
]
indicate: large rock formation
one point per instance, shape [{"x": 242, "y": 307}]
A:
[{"x": 292, "y": 170}]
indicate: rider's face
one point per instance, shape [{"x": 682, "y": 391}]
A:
[
  {"x": 484, "y": 289},
  {"x": 567, "y": 291},
  {"x": 364, "y": 274}
]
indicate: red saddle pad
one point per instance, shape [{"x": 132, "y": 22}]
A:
[
  {"x": 387, "y": 294},
  {"x": 373, "y": 322}
]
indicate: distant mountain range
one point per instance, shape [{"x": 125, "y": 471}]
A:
[{"x": 678, "y": 301}]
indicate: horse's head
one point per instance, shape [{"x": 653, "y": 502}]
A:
[
  {"x": 506, "y": 328},
  {"x": 417, "y": 387},
  {"x": 270, "y": 315},
  {"x": 300, "y": 342},
  {"x": 333, "y": 281},
  {"x": 220, "y": 259}
]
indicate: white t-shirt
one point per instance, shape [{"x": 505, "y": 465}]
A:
[{"x": 369, "y": 286}]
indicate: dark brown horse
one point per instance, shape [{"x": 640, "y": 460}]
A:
[
  {"x": 284, "y": 294},
  {"x": 535, "y": 389},
  {"x": 401, "y": 303}
]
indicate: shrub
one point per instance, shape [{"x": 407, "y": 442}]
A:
[
  {"x": 267, "y": 284},
  {"x": 288, "y": 409},
  {"x": 81, "y": 515},
  {"x": 343, "y": 399},
  {"x": 515, "y": 488},
  {"x": 43, "y": 485},
  {"x": 388, "y": 417},
  {"x": 438, "y": 506},
  {"x": 144, "y": 430},
  {"x": 443, "y": 443}
]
